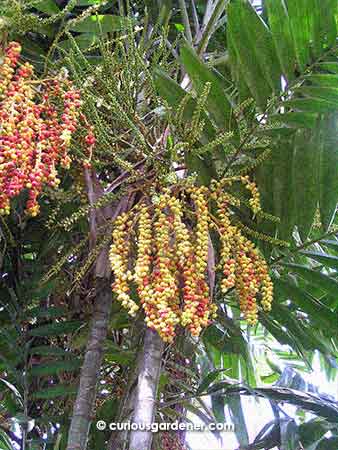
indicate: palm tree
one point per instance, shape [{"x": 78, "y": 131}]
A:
[{"x": 262, "y": 86}]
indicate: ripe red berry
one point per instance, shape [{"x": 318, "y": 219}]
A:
[{"x": 35, "y": 136}]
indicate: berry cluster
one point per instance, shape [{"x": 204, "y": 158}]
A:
[
  {"x": 164, "y": 282},
  {"x": 243, "y": 267},
  {"x": 227, "y": 238},
  {"x": 118, "y": 256},
  {"x": 143, "y": 272},
  {"x": 170, "y": 264},
  {"x": 254, "y": 202},
  {"x": 196, "y": 310},
  {"x": 38, "y": 119}
]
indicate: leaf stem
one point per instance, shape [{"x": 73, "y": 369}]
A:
[
  {"x": 185, "y": 18},
  {"x": 304, "y": 245},
  {"x": 217, "y": 11}
]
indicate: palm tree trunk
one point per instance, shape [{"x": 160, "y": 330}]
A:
[
  {"x": 85, "y": 400},
  {"x": 84, "y": 405},
  {"x": 149, "y": 370},
  {"x": 139, "y": 404}
]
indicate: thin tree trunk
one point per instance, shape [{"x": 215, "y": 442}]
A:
[
  {"x": 85, "y": 400},
  {"x": 84, "y": 405},
  {"x": 149, "y": 371},
  {"x": 118, "y": 439}
]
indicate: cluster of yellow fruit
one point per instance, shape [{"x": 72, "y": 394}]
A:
[
  {"x": 243, "y": 266},
  {"x": 163, "y": 247}
]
